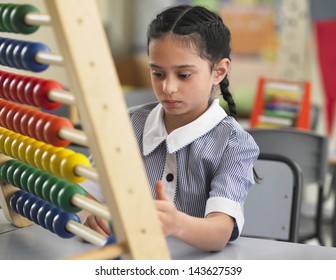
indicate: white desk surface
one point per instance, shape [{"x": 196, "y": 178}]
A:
[{"x": 36, "y": 243}]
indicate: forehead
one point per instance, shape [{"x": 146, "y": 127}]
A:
[{"x": 171, "y": 49}]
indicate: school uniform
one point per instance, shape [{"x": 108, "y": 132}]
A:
[{"x": 206, "y": 166}]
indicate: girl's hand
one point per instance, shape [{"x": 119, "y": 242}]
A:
[
  {"x": 168, "y": 214},
  {"x": 98, "y": 224}
]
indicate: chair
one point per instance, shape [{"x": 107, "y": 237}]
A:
[
  {"x": 310, "y": 151},
  {"x": 272, "y": 207}
]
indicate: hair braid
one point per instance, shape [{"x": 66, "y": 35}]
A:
[{"x": 224, "y": 86}]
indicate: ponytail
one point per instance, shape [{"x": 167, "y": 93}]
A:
[{"x": 224, "y": 87}]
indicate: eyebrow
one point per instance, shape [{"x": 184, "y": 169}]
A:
[{"x": 178, "y": 66}]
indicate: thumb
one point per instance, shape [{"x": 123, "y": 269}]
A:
[{"x": 160, "y": 193}]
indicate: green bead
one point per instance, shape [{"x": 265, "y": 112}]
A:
[
  {"x": 55, "y": 189},
  {"x": 16, "y": 19},
  {"x": 18, "y": 173},
  {"x": 65, "y": 196},
  {"x": 10, "y": 172},
  {"x": 5, "y": 18},
  {"x": 4, "y": 168},
  {"x": 39, "y": 183},
  {"x": 47, "y": 185},
  {"x": 24, "y": 177},
  {"x": 2, "y": 9},
  {"x": 32, "y": 179}
]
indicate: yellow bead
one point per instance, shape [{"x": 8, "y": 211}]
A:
[
  {"x": 38, "y": 155},
  {"x": 46, "y": 155},
  {"x": 69, "y": 164},
  {"x": 30, "y": 151},
  {"x": 22, "y": 148},
  {"x": 55, "y": 160}
]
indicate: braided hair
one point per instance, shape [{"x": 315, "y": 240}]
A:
[{"x": 195, "y": 26}]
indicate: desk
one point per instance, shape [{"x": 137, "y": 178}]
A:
[{"x": 36, "y": 243}]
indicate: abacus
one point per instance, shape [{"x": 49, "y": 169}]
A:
[{"x": 40, "y": 176}]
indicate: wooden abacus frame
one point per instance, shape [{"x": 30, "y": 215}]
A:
[{"x": 99, "y": 100}]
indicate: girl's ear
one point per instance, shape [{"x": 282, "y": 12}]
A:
[{"x": 221, "y": 69}]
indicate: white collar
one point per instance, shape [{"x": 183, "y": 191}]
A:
[{"x": 155, "y": 131}]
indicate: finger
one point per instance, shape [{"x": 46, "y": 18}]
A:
[{"x": 160, "y": 193}]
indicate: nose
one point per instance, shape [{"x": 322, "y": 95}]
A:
[{"x": 169, "y": 85}]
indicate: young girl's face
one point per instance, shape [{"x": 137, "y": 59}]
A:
[{"x": 182, "y": 81}]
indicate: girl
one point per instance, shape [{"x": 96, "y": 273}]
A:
[{"x": 198, "y": 159}]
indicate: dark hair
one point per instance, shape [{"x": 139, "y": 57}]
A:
[{"x": 204, "y": 30}]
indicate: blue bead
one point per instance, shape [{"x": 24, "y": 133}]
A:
[
  {"x": 60, "y": 222},
  {"x": 14, "y": 198},
  {"x": 28, "y": 55},
  {"x": 3, "y": 48},
  {"x": 110, "y": 240},
  {"x": 41, "y": 214},
  {"x": 17, "y": 54},
  {"x": 21, "y": 201},
  {"x": 34, "y": 210},
  {"x": 50, "y": 216},
  {"x": 27, "y": 206}
]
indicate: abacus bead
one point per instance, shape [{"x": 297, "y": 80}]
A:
[
  {"x": 54, "y": 191},
  {"x": 17, "y": 119},
  {"x": 17, "y": 22},
  {"x": 8, "y": 144},
  {"x": 42, "y": 212},
  {"x": 39, "y": 183},
  {"x": 9, "y": 54},
  {"x": 10, "y": 171},
  {"x": 13, "y": 88},
  {"x": 15, "y": 145},
  {"x": 50, "y": 216},
  {"x": 46, "y": 155},
  {"x": 19, "y": 45},
  {"x": 22, "y": 148},
  {"x": 28, "y": 55},
  {"x": 27, "y": 206},
  {"x": 10, "y": 116},
  {"x": 47, "y": 185},
  {"x": 40, "y": 94},
  {"x": 31, "y": 125},
  {"x": 38, "y": 155},
  {"x": 5, "y": 18},
  {"x": 3, "y": 136},
  {"x": 20, "y": 89},
  {"x": 24, "y": 177},
  {"x": 21, "y": 201},
  {"x": 3, "y": 78},
  {"x": 68, "y": 166},
  {"x": 28, "y": 90},
  {"x": 4, "y": 168},
  {"x": 25, "y": 119},
  {"x": 30, "y": 151},
  {"x": 55, "y": 160},
  {"x": 34, "y": 210},
  {"x": 41, "y": 124},
  {"x": 13, "y": 199},
  {"x": 17, "y": 175},
  {"x": 3, "y": 47},
  {"x": 65, "y": 195},
  {"x": 31, "y": 181},
  {"x": 5, "y": 86},
  {"x": 60, "y": 222},
  {"x": 110, "y": 240},
  {"x": 51, "y": 131}
]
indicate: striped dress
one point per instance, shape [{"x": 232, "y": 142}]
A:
[{"x": 206, "y": 166}]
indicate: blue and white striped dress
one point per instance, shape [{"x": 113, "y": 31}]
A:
[{"x": 206, "y": 165}]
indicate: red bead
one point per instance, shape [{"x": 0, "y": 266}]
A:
[
  {"x": 52, "y": 129},
  {"x": 13, "y": 88},
  {"x": 25, "y": 119},
  {"x": 31, "y": 125},
  {"x": 40, "y": 94},
  {"x": 10, "y": 115},
  {"x": 28, "y": 91},
  {"x": 17, "y": 119},
  {"x": 3, "y": 77},
  {"x": 20, "y": 89},
  {"x": 5, "y": 86},
  {"x": 41, "y": 124}
]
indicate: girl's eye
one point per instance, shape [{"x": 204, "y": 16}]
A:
[
  {"x": 184, "y": 76},
  {"x": 157, "y": 74}
]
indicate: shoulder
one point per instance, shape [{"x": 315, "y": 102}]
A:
[{"x": 142, "y": 110}]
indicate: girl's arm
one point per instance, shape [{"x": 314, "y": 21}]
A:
[{"x": 211, "y": 233}]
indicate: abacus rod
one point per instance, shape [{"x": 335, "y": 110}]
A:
[
  {"x": 87, "y": 172},
  {"x": 86, "y": 233},
  {"x": 62, "y": 96},
  {"x": 108, "y": 252},
  {"x": 37, "y": 19},
  {"x": 75, "y": 135},
  {"x": 49, "y": 58},
  {"x": 91, "y": 205}
]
